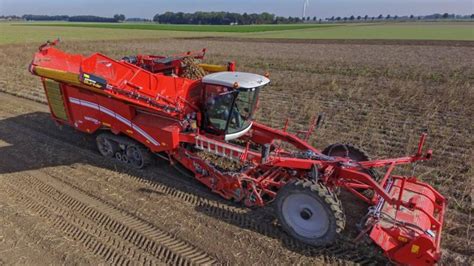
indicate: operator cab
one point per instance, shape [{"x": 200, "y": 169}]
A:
[{"x": 230, "y": 100}]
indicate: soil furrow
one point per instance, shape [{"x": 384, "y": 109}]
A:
[
  {"x": 72, "y": 230},
  {"x": 108, "y": 217}
]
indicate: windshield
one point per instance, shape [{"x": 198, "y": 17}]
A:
[
  {"x": 243, "y": 110},
  {"x": 229, "y": 111}
]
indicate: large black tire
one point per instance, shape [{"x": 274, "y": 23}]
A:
[{"x": 309, "y": 212}]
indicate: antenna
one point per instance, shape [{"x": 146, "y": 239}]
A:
[{"x": 305, "y": 5}]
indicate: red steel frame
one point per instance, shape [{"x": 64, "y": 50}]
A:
[{"x": 90, "y": 108}]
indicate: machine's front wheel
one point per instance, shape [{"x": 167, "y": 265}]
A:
[{"x": 309, "y": 212}]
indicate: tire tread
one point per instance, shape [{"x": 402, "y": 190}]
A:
[{"x": 326, "y": 196}]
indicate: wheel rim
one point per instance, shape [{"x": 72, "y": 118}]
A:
[
  {"x": 305, "y": 215},
  {"x": 135, "y": 156}
]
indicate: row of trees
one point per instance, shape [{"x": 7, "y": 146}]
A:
[
  {"x": 365, "y": 18},
  {"x": 10, "y": 17},
  {"x": 214, "y": 18},
  {"x": 86, "y": 18},
  {"x": 226, "y": 18},
  {"x": 138, "y": 20},
  {"x": 396, "y": 17}
]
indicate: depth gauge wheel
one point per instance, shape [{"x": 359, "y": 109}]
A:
[
  {"x": 355, "y": 153},
  {"x": 106, "y": 146},
  {"x": 309, "y": 212},
  {"x": 346, "y": 150}
]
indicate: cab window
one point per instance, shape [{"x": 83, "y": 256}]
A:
[
  {"x": 218, "y": 102},
  {"x": 241, "y": 114}
]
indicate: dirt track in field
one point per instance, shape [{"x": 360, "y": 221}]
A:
[{"x": 60, "y": 202}]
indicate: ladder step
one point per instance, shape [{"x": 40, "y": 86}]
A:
[{"x": 227, "y": 152}]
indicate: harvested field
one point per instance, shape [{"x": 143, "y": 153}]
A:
[{"x": 380, "y": 97}]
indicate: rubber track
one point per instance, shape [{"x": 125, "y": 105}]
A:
[{"x": 344, "y": 249}]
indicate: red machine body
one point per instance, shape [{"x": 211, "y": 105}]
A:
[{"x": 147, "y": 100}]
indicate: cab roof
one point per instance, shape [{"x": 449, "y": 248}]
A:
[{"x": 245, "y": 80}]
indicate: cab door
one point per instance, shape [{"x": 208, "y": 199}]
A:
[{"x": 218, "y": 101}]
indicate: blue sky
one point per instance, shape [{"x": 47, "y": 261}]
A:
[{"x": 319, "y": 8}]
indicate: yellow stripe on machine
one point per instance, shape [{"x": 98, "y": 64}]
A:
[
  {"x": 59, "y": 75},
  {"x": 213, "y": 68},
  {"x": 66, "y": 77}
]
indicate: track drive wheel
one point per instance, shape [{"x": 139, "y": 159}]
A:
[
  {"x": 309, "y": 212},
  {"x": 137, "y": 155},
  {"x": 106, "y": 146}
]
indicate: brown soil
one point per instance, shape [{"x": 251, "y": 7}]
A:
[
  {"x": 340, "y": 41},
  {"x": 60, "y": 202}
]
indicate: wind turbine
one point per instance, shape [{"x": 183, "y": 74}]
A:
[{"x": 305, "y": 5}]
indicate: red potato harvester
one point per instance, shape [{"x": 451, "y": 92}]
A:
[{"x": 143, "y": 105}]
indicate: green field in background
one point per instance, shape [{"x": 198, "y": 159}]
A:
[
  {"x": 192, "y": 28},
  {"x": 27, "y": 32},
  {"x": 390, "y": 31}
]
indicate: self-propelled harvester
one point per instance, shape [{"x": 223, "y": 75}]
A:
[{"x": 201, "y": 117}]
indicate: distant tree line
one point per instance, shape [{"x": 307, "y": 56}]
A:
[
  {"x": 85, "y": 18},
  {"x": 12, "y": 17},
  {"x": 226, "y": 18},
  {"x": 380, "y": 17},
  {"x": 221, "y": 18},
  {"x": 91, "y": 19},
  {"x": 138, "y": 20},
  {"x": 45, "y": 17}
]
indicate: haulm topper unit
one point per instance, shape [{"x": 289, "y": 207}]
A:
[{"x": 200, "y": 117}]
